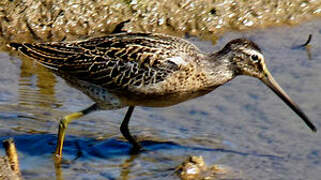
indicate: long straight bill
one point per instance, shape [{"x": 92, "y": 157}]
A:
[{"x": 272, "y": 84}]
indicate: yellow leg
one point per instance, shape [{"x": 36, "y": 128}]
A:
[{"x": 63, "y": 124}]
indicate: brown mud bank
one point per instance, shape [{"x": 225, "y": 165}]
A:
[
  {"x": 56, "y": 20},
  {"x": 9, "y": 164}
]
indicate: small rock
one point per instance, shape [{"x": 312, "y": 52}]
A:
[{"x": 195, "y": 168}]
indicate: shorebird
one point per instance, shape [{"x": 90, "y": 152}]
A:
[{"x": 147, "y": 69}]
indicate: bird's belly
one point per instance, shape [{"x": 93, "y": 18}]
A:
[
  {"x": 104, "y": 98},
  {"x": 153, "y": 100},
  {"x": 115, "y": 99},
  {"x": 101, "y": 96}
]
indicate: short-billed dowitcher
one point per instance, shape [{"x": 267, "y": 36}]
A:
[{"x": 147, "y": 69}]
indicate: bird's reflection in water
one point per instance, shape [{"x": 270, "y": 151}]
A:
[
  {"x": 126, "y": 165},
  {"x": 37, "y": 86}
]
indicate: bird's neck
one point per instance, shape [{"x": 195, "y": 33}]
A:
[{"x": 219, "y": 70}]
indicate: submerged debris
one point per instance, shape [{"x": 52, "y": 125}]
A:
[
  {"x": 195, "y": 168},
  {"x": 119, "y": 27},
  {"x": 191, "y": 168},
  {"x": 307, "y": 43},
  {"x": 9, "y": 165},
  {"x": 306, "y": 46}
]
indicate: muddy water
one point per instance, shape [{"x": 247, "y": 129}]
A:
[{"x": 242, "y": 124}]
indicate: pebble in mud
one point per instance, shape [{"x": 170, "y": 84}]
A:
[
  {"x": 191, "y": 168},
  {"x": 9, "y": 165},
  {"x": 195, "y": 168}
]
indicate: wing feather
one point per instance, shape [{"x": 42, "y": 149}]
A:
[{"x": 114, "y": 61}]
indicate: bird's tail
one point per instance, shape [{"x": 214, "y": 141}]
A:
[{"x": 51, "y": 55}]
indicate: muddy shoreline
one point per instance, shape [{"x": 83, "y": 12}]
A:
[{"x": 57, "y": 20}]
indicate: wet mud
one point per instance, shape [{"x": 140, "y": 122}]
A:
[{"x": 57, "y": 20}]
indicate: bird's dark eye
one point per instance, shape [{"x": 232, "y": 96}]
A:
[{"x": 255, "y": 58}]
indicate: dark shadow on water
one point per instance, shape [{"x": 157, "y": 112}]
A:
[
  {"x": 84, "y": 148},
  {"x": 33, "y": 145}
]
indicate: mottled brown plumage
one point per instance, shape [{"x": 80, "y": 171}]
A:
[
  {"x": 146, "y": 69},
  {"x": 135, "y": 63},
  {"x": 114, "y": 61}
]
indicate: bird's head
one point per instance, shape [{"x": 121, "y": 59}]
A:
[{"x": 246, "y": 58}]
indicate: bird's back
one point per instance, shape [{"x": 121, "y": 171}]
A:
[{"x": 117, "y": 61}]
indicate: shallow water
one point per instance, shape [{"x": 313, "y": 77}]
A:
[{"x": 242, "y": 124}]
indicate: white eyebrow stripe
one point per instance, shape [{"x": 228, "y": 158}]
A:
[{"x": 252, "y": 52}]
